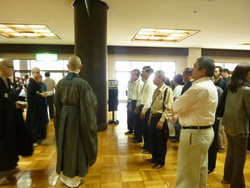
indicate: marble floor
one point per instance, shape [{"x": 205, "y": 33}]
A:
[{"x": 120, "y": 164}]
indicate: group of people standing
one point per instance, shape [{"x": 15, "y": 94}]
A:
[
  {"x": 149, "y": 103},
  {"x": 35, "y": 91},
  {"x": 75, "y": 121},
  {"x": 193, "y": 108}
]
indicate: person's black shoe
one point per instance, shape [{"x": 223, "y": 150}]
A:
[
  {"x": 128, "y": 132},
  {"x": 225, "y": 182},
  {"x": 209, "y": 171},
  {"x": 145, "y": 152},
  {"x": 157, "y": 166},
  {"x": 142, "y": 147},
  {"x": 150, "y": 160},
  {"x": 136, "y": 142},
  {"x": 174, "y": 141}
]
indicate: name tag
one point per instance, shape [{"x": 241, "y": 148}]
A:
[{"x": 6, "y": 95}]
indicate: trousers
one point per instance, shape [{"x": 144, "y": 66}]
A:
[
  {"x": 192, "y": 161},
  {"x": 136, "y": 122},
  {"x": 212, "y": 152},
  {"x": 158, "y": 141},
  {"x": 235, "y": 161}
]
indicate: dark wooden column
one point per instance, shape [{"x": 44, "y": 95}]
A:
[{"x": 91, "y": 47}]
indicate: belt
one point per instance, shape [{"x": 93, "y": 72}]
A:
[
  {"x": 156, "y": 115},
  {"x": 197, "y": 127}
]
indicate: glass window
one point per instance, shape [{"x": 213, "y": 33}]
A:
[
  {"x": 21, "y": 64},
  {"x": 56, "y": 76},
  {"x": 140, "y": 64},
  {"x": 170, "y": 75},
  {"x": 16, "y": 64},
  {"x": 21, "y": 74},
  {"x": 122, "y": 66},
  {"x": 123, "y": 78},
  {"x": 230, "y": 66},
  {"x": 168, "y": 67},
  {"x": 65, "y": 63},
  {"x": 46, "y": 65}
]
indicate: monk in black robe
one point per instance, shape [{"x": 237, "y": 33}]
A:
[
  {"x": 36, "y": 111},
  {"x": 8, "y": 122},
  {"x": 75, "y": 126}
]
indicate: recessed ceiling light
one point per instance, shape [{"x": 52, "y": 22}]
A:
[
  {"x": 165, "y": 35},
  {"x": 27, "y": 31}
]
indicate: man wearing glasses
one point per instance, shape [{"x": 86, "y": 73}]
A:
[
  {"x": 8, "y": 122},
  {"x": 196, "y": 110},
  {"x": 37, "y": 107}
]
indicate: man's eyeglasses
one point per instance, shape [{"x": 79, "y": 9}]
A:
[
  {"x": 10, "y": 67},
  {"x": 194, "y": 66}
]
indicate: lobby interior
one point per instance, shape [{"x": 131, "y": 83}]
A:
[{"x": 223, "y": 35}]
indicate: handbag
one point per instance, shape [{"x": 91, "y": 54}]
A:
[
  {"x": 221, "y": 104},
  {"x": 23, "y": 93}
]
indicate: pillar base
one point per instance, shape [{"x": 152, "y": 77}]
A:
[{"x": 102, "y": 127}]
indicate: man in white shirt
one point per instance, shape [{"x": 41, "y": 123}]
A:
[
  {"x": 51, "y": 85},
  {"x": 178, "y": 79},
  {"x": 144, "y": 105},
  {"x": 129, "y": 113},
  {"x": 26, "y": 80},
  {"x": 135, "y": 94},
  {"x": 196, "y": 110}
]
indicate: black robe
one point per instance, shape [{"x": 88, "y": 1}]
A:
[
  {"x": 75, "y": 126},
  {"x": 36, "y": 111},
  {"x": 8, "y": 128}
]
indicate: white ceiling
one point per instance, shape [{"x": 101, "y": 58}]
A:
[{"x": 224, "y": 24}]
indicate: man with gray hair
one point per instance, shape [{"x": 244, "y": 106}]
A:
[
  {"x": 160, "y": 113},
  {"x": 196, "y": 110}
]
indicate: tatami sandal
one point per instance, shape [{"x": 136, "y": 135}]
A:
[
  {"x": 4, "y": 181},
  {"x": 83, "y": 180},
  {"x": 225, "y": 182},
  {"x": 35, "y": 145}
]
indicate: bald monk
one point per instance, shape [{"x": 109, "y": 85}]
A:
[
  {"x": 8, "y": 122},
  {"x": 36, "y": 111},
  {"x": 75, "y": 126}
]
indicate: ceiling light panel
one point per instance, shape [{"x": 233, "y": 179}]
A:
[
  {"x": 27, "y": 31},
  {"x": 165, "y": 35}
]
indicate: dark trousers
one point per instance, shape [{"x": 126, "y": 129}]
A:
[
  {"x": 212, "y": 152},
  {"x": 235, "y": 161},
  {"x": 158, "y": 141},
  {"x": 21, "y": 98},
  {"x": 145, "y": 130},
  {"x": 177, "y": 131},
  {"x": 129, "y": 119},
  {"x": 136, "y": 122},
  {"x": 51, "y": 106}
]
